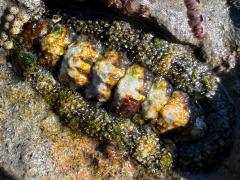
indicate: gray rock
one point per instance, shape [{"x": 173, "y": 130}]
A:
[
  {"x": 217, "y": 47},
  {"x": 22, "y": 146},
  {"x": 35, "y": 145}
]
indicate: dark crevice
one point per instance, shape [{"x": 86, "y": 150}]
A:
[
  {"x": 199, "y": 54},
  {"x": 4, "y": 175},
  {"x": 234, "y": 12}
]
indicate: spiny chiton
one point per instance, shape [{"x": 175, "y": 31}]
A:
[{"x": 121, "y": 84}]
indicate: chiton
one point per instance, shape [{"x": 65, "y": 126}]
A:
[
  {"x": 119, "y": 83},
  {"x": 85, "y": 66}
]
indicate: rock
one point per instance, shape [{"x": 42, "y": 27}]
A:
[
  {"x": 31, "y": 4},
  {"x": 20, "y": 115},
  {"x": 32, "y": 7},
  {"x": 170, "y": 20},
  {"x": 35, "y": 145},
  {"x": 172, "y": 16},
  {"x": 14, "y": 16},
  {"x": 218, "y": 46}
]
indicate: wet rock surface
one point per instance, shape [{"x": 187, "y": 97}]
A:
[{"x": 218, "y": 47}]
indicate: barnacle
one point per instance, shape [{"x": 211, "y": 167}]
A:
[
  {"x": 130, "y": 7},
  {"x": 18, "y": 23},
  {"x": 126, "y": 5},
  {"x": 14, "y": 10},
  {"x": 8, "y": 45},
  {"x": 9, "y": 28},
  {"x": 13, "y": 21},
  {"x": 53, "y": 39}
]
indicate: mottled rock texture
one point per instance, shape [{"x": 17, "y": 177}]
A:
[
  {"x": 35, "y": 145},
  {"x": 218, "y": 47},
  {"x": 32, "y": 7},
  {"x": 169, "y": 18}
]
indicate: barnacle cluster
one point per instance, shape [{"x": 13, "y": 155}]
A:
[
  {"x": 53, "y": 39},
  {"x": 129, "y": 94},
  {"x": 147, "y": 88},
  {"x": 12, "y": 25},
  {"x": 99, "y": 74}
]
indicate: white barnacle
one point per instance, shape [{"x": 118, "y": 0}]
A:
[
  {"x": 16, "y": 27},
  {"x": 23, "y": 17},
  {"x": 6, "y": 26},
  {"x": 8, "y": 45},
  {"x": 175, "y": 114},
  {"x": 14, "y": 10},
  {"x": 9, "y": 17},
  {"x": 15, "y": 31},
  {"x": 3, "y": 36},
  {"x": 56, "y": 18}
]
